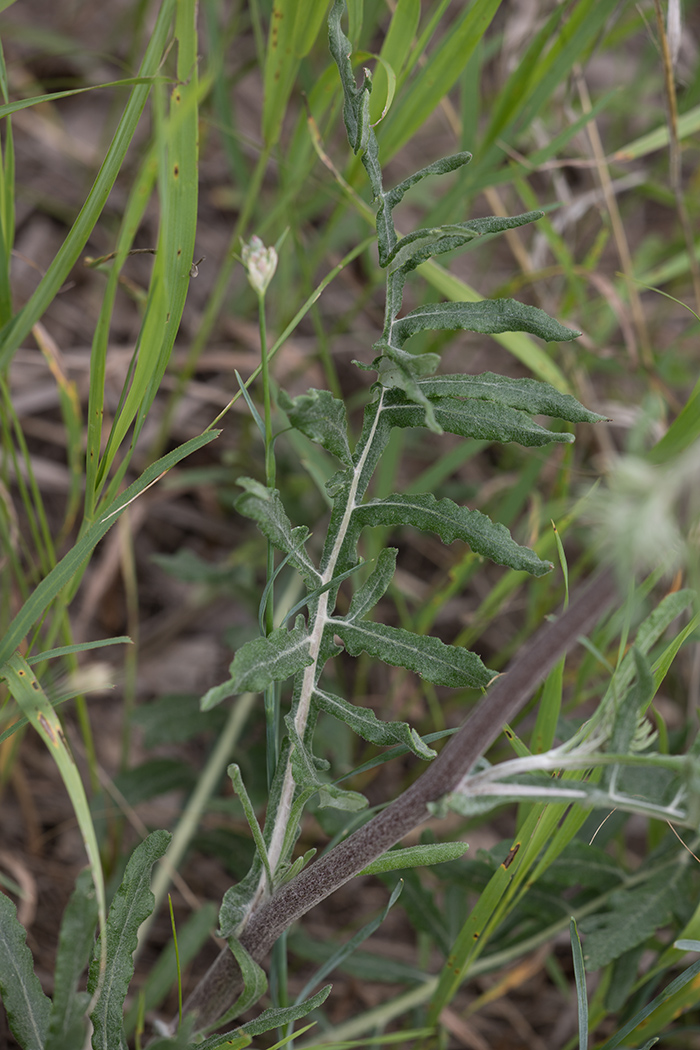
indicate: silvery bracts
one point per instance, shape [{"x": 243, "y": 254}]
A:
[{"x": 221, "y": 984}]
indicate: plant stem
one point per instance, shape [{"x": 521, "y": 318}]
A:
[{"x": 511, "y": 691}]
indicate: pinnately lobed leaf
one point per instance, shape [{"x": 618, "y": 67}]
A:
[
  {"x": 451, "y": 522},
  {"x": 76, "y": 939},
  {"x": 488, "y": 316},
  {"x": 432, "y": 659}
]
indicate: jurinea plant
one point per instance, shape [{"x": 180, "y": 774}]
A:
[{"x": 407, "y": 393}]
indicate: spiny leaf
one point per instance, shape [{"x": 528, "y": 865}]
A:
[
  {"x": 364, "y": 722},
  {"x": 451, "y": 522},
  {"x": 271, "y": 659},
  {"x": 132, "y": 904},
  {"x": 26, "y": 1005},
  {"x": 488, "y": 315},
  {"x": 429, "y": 657},
  {"x": 322, "y": 418},
  {"x": 264, "y": 506},
  {"x": 527, "y": 395}
]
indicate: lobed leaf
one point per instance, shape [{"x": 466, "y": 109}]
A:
[
  {"x": 484, "y": 420},
  {"x": 416, "y": 247},
  {"x": 273, "y": 1018},
  {"x": 487, "y": 315},
  {"x": 634, "y": 916},
  {"x": 76, "y": 939},
  {"x": 264, "y": 506},
  {"x": 365, "y": 723},
  {"x": 451, "y": 522},
  {"x": 132, "y": 904},
  {"x": 272, "y": 659},
  {"x": 321, "y": 417},
  {"x": 429, "y": 657},
  {"x": 26, "y": 1005}
]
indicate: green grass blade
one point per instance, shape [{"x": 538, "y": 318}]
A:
[
  {"x": 177, "y": 139},
  {"x": 35, "y": 706},
  {"x": 395, "y": 50},
  {"x": 436, "y": 78},
  {"x": 18, "y": 328},
  {"x": 36, "y": 605},
  {"x": 581, "y": 993}
]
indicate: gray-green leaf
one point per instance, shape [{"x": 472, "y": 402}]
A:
[
  {"x": 75, "y": 942},
  {"x": 451, "y": 522},
  {"x": 526, "y": 395},
  {"x": 416, "y": 856},
  {"x": 26, "y": 1005},
  {"x": 490, "y": 316},
  {"x": 271, "y": 659},
  {"x": 427, "y": 656},
  {"x": 264, "y": 506},
  {"x": 133, "y": 903},
  {"x": 321, "y": 417},
  {"x": 365, "y": 723}
]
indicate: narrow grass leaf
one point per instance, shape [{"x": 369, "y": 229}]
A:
[
  {"x": 40, "y": 599},
  {"x": 26, "y": 1005},
  {"x": 429, "y": 657},
  {"x": 35, "y": 706},
  {"x": 581, "y": 992},
  {"x": 132, "y": 904},
  {"x": 395, "y": 49},
  {"x": 13, "y": 333},
  {"x": 437, "y": 76}
]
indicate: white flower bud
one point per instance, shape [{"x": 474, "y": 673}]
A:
[{"x": 260, "y": 262}]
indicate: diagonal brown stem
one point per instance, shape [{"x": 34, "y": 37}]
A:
[{"x": 220, "y": 986}]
